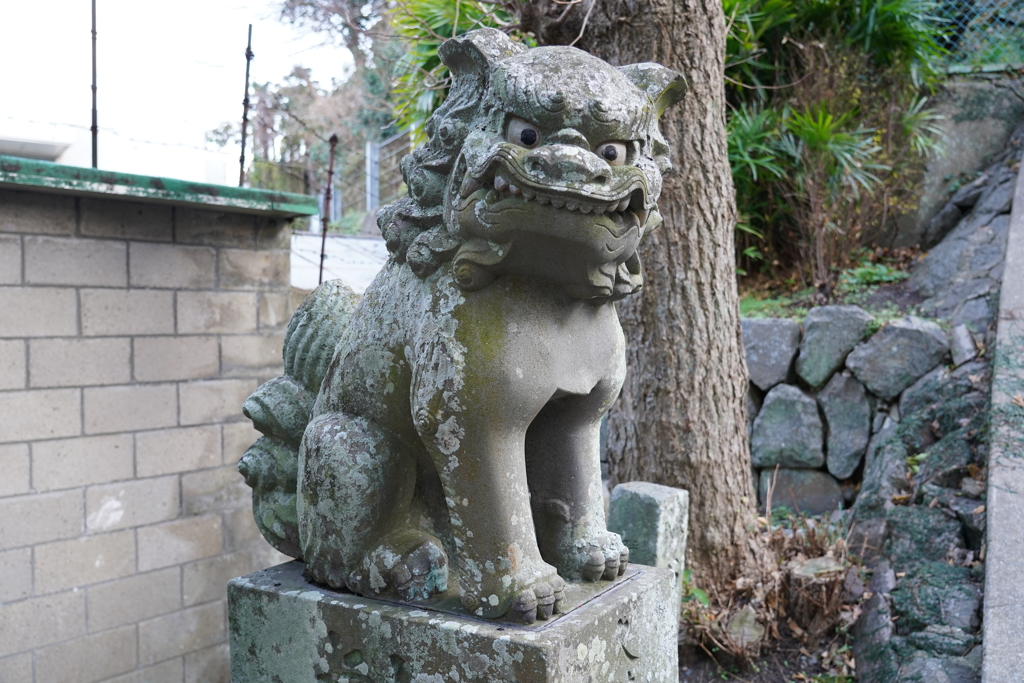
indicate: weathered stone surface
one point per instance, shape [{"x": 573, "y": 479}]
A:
[
  {"x": 937, "y": 593},
  {"x": 830, "y": 333},
  {"x": 898, "y": 355},
  {"x": 885, "y": 469},
  {"x": 283, "y": 628},
  {"x": 867, "y": 538},
  {"x": 848, "y": 418},
  {"x": 876, "y": 660},
  {"x": 770, "y": 345},
  {"x": 967, "y": 196},
  {"x": 946, "y": 461},
  {"x": 653, "y": 521},
  {"x": 883, "y": 580},
  {"x": 940, "y": 224},
  {"x": 810, "y": 492},
  {"x": 943, "y": 640},
  {"x": 787, "y": 430},
  {"x": 754, "y": 401},
  {"x": 919, "y": 534}
]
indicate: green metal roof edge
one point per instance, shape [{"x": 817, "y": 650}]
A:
[{"x": 30, "y": 174}]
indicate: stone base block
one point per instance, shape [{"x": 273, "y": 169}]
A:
[{"x": 286, "y": 630}]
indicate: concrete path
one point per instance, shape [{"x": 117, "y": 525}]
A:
[
  {"x": 356, "y": 260},
  {"x": 1004, "y": 561}
]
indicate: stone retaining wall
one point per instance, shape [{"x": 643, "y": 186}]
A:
[{"x": 130, "y": 334}]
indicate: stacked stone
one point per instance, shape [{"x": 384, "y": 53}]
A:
[{"x": 818, "y": 398}]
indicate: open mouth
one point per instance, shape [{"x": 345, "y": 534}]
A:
[{"x": 626, "y": 210}]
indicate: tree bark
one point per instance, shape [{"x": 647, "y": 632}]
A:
[{"x": 681, "y": 417}]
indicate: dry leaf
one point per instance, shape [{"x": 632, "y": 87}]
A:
[
  {"x": 900, "y": 575},
  {"x": 975, "y": 379},
  {"x": 1019, "y": 400},
  {"x": 978, "y": 510},
  {"x": 935, "y": 501}
]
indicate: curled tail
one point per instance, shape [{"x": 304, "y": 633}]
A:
[{"x": 280, "y": 409}]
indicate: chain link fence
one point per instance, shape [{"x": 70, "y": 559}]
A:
[{"x": 983, "y": 32}]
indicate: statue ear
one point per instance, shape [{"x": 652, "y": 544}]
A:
[
  {"x": 472, "y": 55},
  {"x": 663, "y": 85}
]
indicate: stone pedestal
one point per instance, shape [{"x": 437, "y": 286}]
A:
[{"x": 286, "y": 630}]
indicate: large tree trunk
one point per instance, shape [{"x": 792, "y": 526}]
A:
[{"x": 680, "y": 420}]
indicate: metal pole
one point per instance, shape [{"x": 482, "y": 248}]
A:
[
  {"x": 327, "y": 207},
  {"x": 95, "y": 128},
  {"x": 372, "y": 175},
  {"x": 245, "y": 108}
]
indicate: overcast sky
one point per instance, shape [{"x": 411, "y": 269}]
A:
[{"x": 168, "y": 72}]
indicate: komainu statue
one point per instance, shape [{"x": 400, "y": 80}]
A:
[{"x": 443, "y": 433}]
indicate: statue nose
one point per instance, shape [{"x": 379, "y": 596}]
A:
[{"x": 567, "y": 163}]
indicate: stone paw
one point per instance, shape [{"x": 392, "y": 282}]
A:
[
  {"x": 542, "y": 601},
  {"x": 409, "y": 567},
  {"x": 603, "y": 557}
]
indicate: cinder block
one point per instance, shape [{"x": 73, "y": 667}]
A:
[
  {"x": 75, "y": 261},
  {"x": 238, "y": 436},
  {"x": 180, "y": 633},
  {"x": 240, "y": 530},
  {"x": 83, "y": 561},
  {"x": 215, "y": 229},
  {"x": 273, "y": 233},
  {"x": 33, "y": 212},
  {"x": 10, "y": 260},
  {"x": 274, "y": 310},
  {"x": 81, "y": 461},
  {"x": 93, "y": 658},
  {"x": 172, "y": 266},
  {"x": 127, "y": 220},
  {"x": 39, "y": 518},
  {"x": 653, "y": 521},
  {"x": 107, "y": 312},
  {"x": 131, "y": 407},
  {"x": 216, "y": 312},
  {"x": 38, "y": 312},
  {"x": 177, "y": 450},
  {"x": 170, "y": 671},
  {"x": 184, "y": 540},
  {"x": 38, "y": 622},
  {"x": 40, "y": 414},
  {"x": 212, "y": 665},
  {"x": 131, "y": 503},
  {"x": 14, "y": 464},
  {"x": 212, "y": 490},
  {"x": 248, "y": 269},
  {"x": 213, "y": 401},
  {"x": 159, "y": 359},
  {"x": 248, "y": 353},
  {"x": 16, "y": 668},
  {"x": 207, "y": 579},
  {"x": 12, "y": 364},
  {"x": 16, "y": 570},
  {"x": 79, "y": 362},
  {"x": 134, "y": 598}
]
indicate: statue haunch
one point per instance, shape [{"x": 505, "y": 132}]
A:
[{"x": 445, "y": 429}]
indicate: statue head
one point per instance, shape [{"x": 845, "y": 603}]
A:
[{"x": 543, "y": 163}]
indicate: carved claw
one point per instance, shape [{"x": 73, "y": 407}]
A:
[
  {"x": 623, "y": 560},
  {"x": 524, "y": 608},
  {"x": 611, "y": 567},
  {"x": 545, "y": 600},
  {"x": 594, "y": 569},
  {"x": 558, "y": 587}
]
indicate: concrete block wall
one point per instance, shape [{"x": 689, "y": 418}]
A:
[{"x": 130, "y": 334}]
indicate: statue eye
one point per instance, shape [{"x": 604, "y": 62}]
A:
[
  {"x": 612, "y": 152},
  {"x": 521, "y": 133}
]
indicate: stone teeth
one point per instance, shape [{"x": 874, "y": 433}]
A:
[
  {"x": 586, "y": 209},
  {"x": 469, "y": 186},
  {"x": 528, "y": 195},
  {"x": 558, "y": 203},
  {"x": 623, "y": 205},
  {"x": 492, "y": 197},
  {"x": 515, "y": 191},
  {"x": 500, "y": 184},
  {"x": 541, "y": 199},
  {"x": 571, "y": 207}
]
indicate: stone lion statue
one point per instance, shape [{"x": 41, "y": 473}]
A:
[{"x": 440, "y": 437}]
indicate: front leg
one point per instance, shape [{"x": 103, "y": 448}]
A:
[
  {"x": 563, "y": 460},
  {"x": 479, "y": 455}
]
